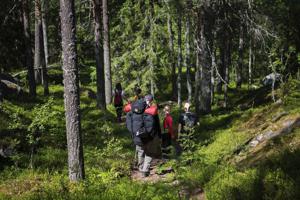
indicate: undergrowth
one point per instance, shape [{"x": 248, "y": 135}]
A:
[{"x": 109, "y": 153}]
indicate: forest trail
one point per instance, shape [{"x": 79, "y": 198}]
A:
[{"x": 157, "y": 175}]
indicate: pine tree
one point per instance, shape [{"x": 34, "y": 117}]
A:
[
  {"x": 101, "y": 103},
  {"x": 106, "y": 49},
  {"x": 71, "y": 91},
  {"x": 28, "y": 51}
]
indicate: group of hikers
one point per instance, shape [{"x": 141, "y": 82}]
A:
[{"x": 142, "y": 120}]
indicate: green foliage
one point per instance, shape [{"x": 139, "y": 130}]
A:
[
  {"x": 42, "y": 115},
  {"x": 277, "y": 185},
  {"x": 228, "y": 183}
]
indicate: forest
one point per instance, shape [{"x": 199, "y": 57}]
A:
[{"x": 69, "y": 69}]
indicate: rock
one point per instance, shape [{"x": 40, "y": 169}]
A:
[
  {"x": 6, "y": 152},
  {"x": 284, "y": 128},
  {"x": 268, "y": 80},
  {"x": 278, "y": 102},
  {"x": 278, "y": 116},
  {"x": 8, "y": 77},
  {"x": 8, "y": 88}
]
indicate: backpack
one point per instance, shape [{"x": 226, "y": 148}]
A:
[
  {"x": 118, "y": 101},
  {"x": 190, "y": 120},
  {"x": 139, "y": 122}
]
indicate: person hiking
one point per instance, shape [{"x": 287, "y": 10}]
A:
[
  {"x": 168, "y": 133},
  {"x": 143, "y": 123},
  {"x": 187, "y": 121},
  {"x": 137, "y": 93},
  {"x": 169, "y": 138},
  {"x": 118, "y": 95}
]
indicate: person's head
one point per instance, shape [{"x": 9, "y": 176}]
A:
[
  {"x": 137, "y": 91},
  {"x": 187, "y": 106},
  {"x": 118, "y": 86},
  {"x": 167, "y": 109},
  {"x": 148, "y": 99}
]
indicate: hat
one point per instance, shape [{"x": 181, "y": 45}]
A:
[{"x": 149, "y": 97}]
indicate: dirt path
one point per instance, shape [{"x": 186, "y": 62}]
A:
[{"x": 162, "y": 176}]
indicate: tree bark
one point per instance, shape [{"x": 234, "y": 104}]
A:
[
  {"x": 197, "y": 80},
  {"x": 250, "y": 63},
  {"x": 204, "y": 40},
  {"x": 172, "y": 57},
  {"x": 39, "y": 57},
  {"x": 37, "y": 42},
  {"x": 213, "y": 66},
  {"x": 45, "y": 5},
  {"x": 28, "y": 51},
  {"x": 188, "y": 51},
  {"x": 179, "y": 58},
  {"x": 71, "y": 91},
  {"x": 226, "y": 50},
  {"x": 101, "y": 101},
  {"x": 239, "y": 69},
  {"x": 106, "y": 50}
]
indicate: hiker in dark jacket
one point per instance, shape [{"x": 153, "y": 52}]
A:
[
  {"x": 118, "y": 95},
  {"x": 187, "y": 121},
  {"x": 143, "y": 122},
  {"x": 137, "y": 93}
]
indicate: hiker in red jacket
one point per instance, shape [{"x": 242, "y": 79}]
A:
[{"x": 169, "y": 137}]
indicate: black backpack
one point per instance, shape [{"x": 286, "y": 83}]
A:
[
  {"x": 190, "y": 120},
  {"x": 137, "y": 122}
]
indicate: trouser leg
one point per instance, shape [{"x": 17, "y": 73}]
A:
[
  {"x": 140, "y": 156},
  {"x": 147, "y": 163},
  {"x": 178, "y": 148},
  {"x": 119, "y": 113}
]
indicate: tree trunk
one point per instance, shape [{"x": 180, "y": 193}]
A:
[
  {"x": 227, "y": 62},
  {"x": 226, "y": 51},
  {"x": 197, "y": 81},
  {"x": 28, "y": 51},
  {"x": 239, "y": 69},
  {"x": 204, "y": 40},
  {"x": 179, "y": 59},
  {"x": 45, "y": 5},
  {"x": 250, "y": 63},
  {"x": 172, "y": 57},
  {"x": 106, "y": 50},
  {"x": 188, "y": 52},
  {"x": 101, "y": 102},
  {"x": 71, "y": 90},
  {"x": 213, "y": 66},
  {"x": 39, "y": 57},
  {"x": 38, "y": 50}
]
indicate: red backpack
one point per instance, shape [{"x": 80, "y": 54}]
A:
[{"x": 118, "y": 101}]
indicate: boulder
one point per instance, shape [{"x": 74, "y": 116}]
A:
[
  {"x": 285, "y": 127},
  {"x": 8, "y": 88},
  {"x": 268, "y": 80},
  {"x": 9, "y": 78}
]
